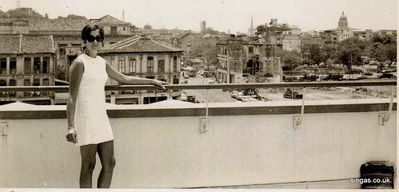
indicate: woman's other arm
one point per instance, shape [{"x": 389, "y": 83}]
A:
[{"x": 75, "y": 75}]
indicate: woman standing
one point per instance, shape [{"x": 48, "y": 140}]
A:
[{"x": 88, "y": 123}]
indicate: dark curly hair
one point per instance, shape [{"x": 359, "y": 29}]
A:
[{"x": 89, "y": 28}]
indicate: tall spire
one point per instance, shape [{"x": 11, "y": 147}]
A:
[
  {"x": 18, "y": 4},
  {"x": 343, "y": 13},
  {"x": 251, "y": 29}
]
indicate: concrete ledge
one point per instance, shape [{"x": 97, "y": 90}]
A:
[{"x": 214, "y": 109}]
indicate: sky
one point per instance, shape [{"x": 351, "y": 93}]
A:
[{"x": 225, "y": 15}]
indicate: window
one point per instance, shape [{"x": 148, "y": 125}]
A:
[
  {"x": 161, "y": 66},
  {"x": 27, "y": 65},
  {"x": 62, "y": 51},
  {"x": 26, "y": 82},
  {"x": 13, "y": 65},
  {"x": 36, "y": 82},
  {"x": 250, "y": 49},
  {"x": 3, "y": 65},
  {"x": 36, "y": 65},
  {"x": 121, "y": 65},
  {"x": 175, "y": 63},
  {"x": 132, "y": 65},
  {"x": 46, "y": 64},
  {"x": 46, "y": 82},
  {"x": 13, "y": 82},
  {"x": 114, "y": 30},
  {"x": 150, "y": 64},
  {"x": 175, "y": 80}
]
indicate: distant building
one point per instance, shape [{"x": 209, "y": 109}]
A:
[
  {"x": 363, "y": 34},
  {"x": 239, "y": 57},
  {"x": 342, "y": 32},
  {"x": 273, "y": 22},
  {"x": 386, "y": 32},
  {"x": 185, "y": 41},
  {"x": 203, "y": 26},
  {"x": 113, "y": 26},
  {"x": 14, "y": 26},
  {"x": 143, "y": 57},
  {"x": 291, "y": 40},
  {"x": 27, "y": 61}
]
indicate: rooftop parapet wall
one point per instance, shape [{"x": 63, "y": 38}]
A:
[{"x": 243, "y": 144}]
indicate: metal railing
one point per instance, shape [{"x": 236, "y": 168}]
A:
[{"x": 64, "y": 89}]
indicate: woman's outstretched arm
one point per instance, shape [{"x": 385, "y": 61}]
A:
[{"x": 114, "y": 74}]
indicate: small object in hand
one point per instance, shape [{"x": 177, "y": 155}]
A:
[{"x": 71, "y": 136}]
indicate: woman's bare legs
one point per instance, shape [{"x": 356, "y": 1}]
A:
[
  {"x": 88, "y": 154},
  {"x": 106, "y": 153}
]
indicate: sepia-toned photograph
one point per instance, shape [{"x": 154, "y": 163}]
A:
[{"x": 189, "y": 94}]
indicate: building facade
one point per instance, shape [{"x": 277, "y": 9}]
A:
[
  {"x": 240, "y": 57},
  {"x": 27, "y": 61},
  {"x": 143, "y": 57}
]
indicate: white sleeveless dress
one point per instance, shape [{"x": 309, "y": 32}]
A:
[{"x": 91, "y": 120}]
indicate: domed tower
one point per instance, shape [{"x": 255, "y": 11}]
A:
[{"x": 343, "y": 21}]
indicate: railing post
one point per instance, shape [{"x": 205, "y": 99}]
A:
[
  {"x": 391, "y": 101},
  {"x": 384, "y": 117},
  {"x": 204, "y": 122},
  {"x": 170, "y": 91}
]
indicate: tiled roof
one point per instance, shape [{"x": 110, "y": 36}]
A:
[
  {"x": 38, "y": 44},
  {"x": 9, "y": 44},
  {"x": 59, "y": 24},
  {"x": 109, "y": 20},
  {"x": 183, "y": 35},
  {"x": 26, "y": 44},
  {"x": 139, "y": 45}
]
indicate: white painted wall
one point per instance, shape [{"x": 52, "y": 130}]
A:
[{"x": 236, "y": 150}]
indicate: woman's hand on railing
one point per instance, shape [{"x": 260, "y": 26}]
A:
[{"x": 159, "y": 84}]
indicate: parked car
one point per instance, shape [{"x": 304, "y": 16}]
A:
[
  {"x": 247, "y": 99},
  {"x": 335, "y": 77},
  {"x": 368, "y": 74},
  {"x": 289, "y": 94},
  {"x": 386, "y": 75},
  {"x": 191, "y": 99},
  {"x": 310, "y": 77},
  {"x": 235, "y": 94},
  {"x": 361, "y": 77},
  {"x": 183, "y": 97}
]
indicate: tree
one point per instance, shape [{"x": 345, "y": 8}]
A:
[
  {"x": 291, "y": 60},
  {"x": 311, "y": 53},
  {"x": 328, "y": 51},
  {"x": 383, "y": 47},
  {"x": 349, "y": 52}
]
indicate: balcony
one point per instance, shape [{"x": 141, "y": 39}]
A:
[{"x": 174, "y": 144}]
